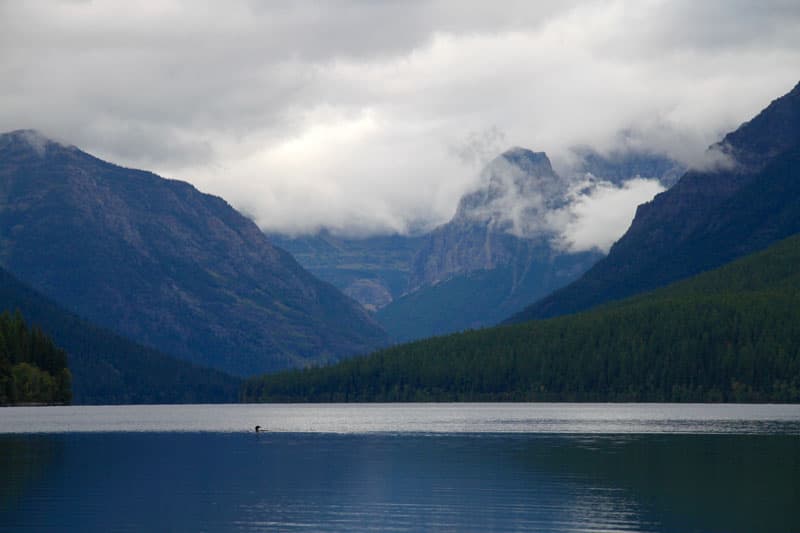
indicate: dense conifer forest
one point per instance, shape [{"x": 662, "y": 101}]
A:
[
  {"x": 32, "y": 368},
  {"x": 728, "y": 335}
]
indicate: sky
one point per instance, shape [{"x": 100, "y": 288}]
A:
[{"x": 375, "y": 117}]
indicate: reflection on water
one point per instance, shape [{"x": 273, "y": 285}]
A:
[
  {"x": 23, "y": 463},
  {"x": 401, "y": 482}
]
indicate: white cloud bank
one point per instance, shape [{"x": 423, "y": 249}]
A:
[
  {"x": 598, "y": 215},
  {"x": 361, "y": 116}
]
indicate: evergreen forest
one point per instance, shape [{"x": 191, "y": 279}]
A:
[{"x": 33, "y": 370}]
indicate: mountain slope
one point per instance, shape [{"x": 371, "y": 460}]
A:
[
  {"x": 482, "y": 297},
  {"x": 726, "y": 335},
  {"x": 165, "y": 265},
  {"x": 108, "y": 369},
  {"x": 705, "y": 220}
]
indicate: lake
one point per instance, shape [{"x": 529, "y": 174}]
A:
[{"x": 402, "y": 467}]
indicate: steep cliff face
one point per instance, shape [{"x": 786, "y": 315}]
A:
[
  {"x": 707, "y": 219},
  {"x": 165, "y": 265}
]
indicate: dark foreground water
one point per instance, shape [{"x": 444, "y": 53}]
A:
[{"x": 401, "y": 468}]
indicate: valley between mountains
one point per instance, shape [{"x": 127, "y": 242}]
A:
[{"x": 159, "y": 293}]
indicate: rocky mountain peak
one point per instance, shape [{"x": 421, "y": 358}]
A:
[
  {"x": 527, "y": 160},
  {"x": 519, "y": 185}
]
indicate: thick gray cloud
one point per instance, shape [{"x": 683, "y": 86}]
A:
[{"x": 376, "y": 116}]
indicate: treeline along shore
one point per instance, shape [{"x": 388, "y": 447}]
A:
[
  {"x": 33, "y": 370},
  {"x": 728, "y": 335}
]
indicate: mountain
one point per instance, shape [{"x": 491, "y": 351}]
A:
[
  {"x": 490, "y": 260},
  {"x": 726, "y": 335},
  {"x": 109, "y": 369},
  {"x": 372, "y": 270},
  {"x": 165, "y": 265},
  {"x": 520, "y": 187},
  {"x": 493, "y": 256},
  {"x": 707, "y": 219}
]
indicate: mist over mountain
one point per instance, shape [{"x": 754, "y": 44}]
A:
[
  {"x": 518, "y": 201},
  {"x": 750, "y": 200},
  {"x": 159, "y": 262},
  {"x": 522, "y": 232},
  {"x": 498, "y": 251},
  {"x": 532, "y": 213}
]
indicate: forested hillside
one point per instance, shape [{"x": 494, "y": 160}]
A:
[
  {"x": 732, "y": 334},
  {"x": 32, "y": 368},
  {"x": 109, "y": 369}
]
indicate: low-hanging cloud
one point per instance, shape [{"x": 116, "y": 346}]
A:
[
  {"x": 521, "y": 195},
  {"x": 600, "y": 212},
  {"x": 360, "y": 116}
]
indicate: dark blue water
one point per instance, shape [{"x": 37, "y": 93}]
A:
[{"x": 132, "y": 478}]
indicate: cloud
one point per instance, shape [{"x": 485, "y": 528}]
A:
[
  {"x": 600, "y": 212},
  {"x": 376, "y": 116}
]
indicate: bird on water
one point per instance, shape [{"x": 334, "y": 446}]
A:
[{"x": 258, "y": 428}]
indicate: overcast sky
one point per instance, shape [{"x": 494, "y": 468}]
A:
[{"x": 376, "y": 116}]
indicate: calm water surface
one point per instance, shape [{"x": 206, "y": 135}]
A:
[{"x": 453, "y": 467}]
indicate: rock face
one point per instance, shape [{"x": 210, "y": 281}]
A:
[
  {"x": 707, "y": 219},
  {"x": 165, "y": 265}
]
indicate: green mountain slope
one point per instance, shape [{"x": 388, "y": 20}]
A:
[
  {"x": 732, "y": 334},
  {"x": 108, "y": 369}
]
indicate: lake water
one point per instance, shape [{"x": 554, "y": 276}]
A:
[{"x": 402, "y": 467}]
